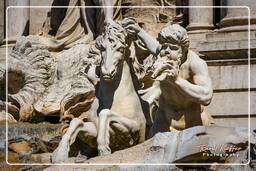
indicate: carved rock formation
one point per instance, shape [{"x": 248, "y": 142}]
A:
[
  {"x": 188, "y": 146},
  {"x": 42, "y": 84},
  {"x": 31, "y": 70},
  {"x": 28, "y": 143},
  {"x": 71, "y": 92}
]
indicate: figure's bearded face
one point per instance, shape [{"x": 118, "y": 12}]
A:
[{"x": 168, "y": 61}]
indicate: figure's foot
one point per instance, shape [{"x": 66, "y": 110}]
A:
[
  {"x": 60, "y": 154},
  {"x": 103, "y": 150}
]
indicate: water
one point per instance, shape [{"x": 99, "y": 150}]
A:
[{"x": 44, "y": 131}]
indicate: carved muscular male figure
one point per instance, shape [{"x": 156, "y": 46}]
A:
[{"x": 182, "y": 84}]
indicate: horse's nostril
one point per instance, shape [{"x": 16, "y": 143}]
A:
[
  {"x": 167, "y": 52},
  {"x": 112, "y": 72}
]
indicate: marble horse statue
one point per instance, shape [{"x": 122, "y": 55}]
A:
[{"x": 116, "y": 120}]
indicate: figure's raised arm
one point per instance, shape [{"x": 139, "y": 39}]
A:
[
  {"x": 200, "y": 91},
  {"x": 108, "y": 10}
]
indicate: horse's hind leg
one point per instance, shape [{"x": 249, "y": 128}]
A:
[
  {"x": 105, "y": 117},
  {"x": 76, "y": 125}
]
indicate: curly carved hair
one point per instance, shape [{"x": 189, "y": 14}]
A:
[
  {"x": 175, "y": 34},
  {"x": 113, "y": 31},
  {"x": 116, "y": 32}
]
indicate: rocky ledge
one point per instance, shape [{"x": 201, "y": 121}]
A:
[{"x": 208, "y": 146}]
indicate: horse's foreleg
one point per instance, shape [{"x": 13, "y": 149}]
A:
[
  {"x": 61, "y": 153},
  {"x": 105, "y": 117},
  {"x": 76, "y": 125},
  {"x": 103, "y": 132}
]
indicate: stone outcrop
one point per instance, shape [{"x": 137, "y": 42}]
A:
[
  {"x": 201, "y": 144},
  {"x": 28, "y": 143}
]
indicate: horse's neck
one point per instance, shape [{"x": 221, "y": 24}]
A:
[
  {"x": 125, "y": 86},
  {"x": 118, "y": 89}
]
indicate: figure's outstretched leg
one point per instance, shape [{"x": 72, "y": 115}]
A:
[
  {"x": 76, "y": 125},
  {"x": 105, "y": 117}
]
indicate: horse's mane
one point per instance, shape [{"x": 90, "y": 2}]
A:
[{"x": 115, "y": 31}]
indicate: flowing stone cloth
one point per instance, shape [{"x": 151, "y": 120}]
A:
[{"x": 67, "y": 27}]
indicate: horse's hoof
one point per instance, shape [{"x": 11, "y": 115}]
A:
[
  {"x": 104, "y": 150},
  {"x": 60, "y": 154}
]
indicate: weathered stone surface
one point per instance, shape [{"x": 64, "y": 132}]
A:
[
  {"x": 9, "y": 117},
  {"x": 232, "y": 103},
  {"x": 196, "y": 38},
  {"x": 71, "y": 92},
  {"x": 232, "y": 122},
  {"x": 227, "y": 49},
  {"x": 41, "y": 158},
  {"x": 47, "y": 84},
  {"x": 27, "y": 142},
  {"x": 236, "y": 19},
  {"x": 38, "y": 15},
  {"x": 227, "y": 77},
  {"x": 229, "y": 36},
  {"x": 19, "y": 147},
  {"x": 3, "y": 53},
  {"x": 200, "y": 22},
  {"x": 43, "y": 131},
  {"x": 2, "y": 25},
  {"x": 228, "y": 45},
  {"x": 30, "y": 71},
  {"x": 18, "y": 19},
  {"x": 31, "y": 149},
  {"x": 177, "y": 147}
]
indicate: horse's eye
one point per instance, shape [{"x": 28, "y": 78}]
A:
[{"x": 121, "y": 49}]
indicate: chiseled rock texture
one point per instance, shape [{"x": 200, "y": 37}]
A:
[
  {"x": 43, "y": 83},
  {"x": 179, "y": 147},
  {"x": 31, "y": 70},
  {"x": 28, "y": 143}
]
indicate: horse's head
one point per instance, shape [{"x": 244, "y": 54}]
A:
[{"x": 113, "y": 46}]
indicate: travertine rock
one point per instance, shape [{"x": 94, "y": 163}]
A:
[
  {"x": 71, "y": 92},
  {"x": 18, "y": 19},
  {"x": 42, "y": 84},
  {"x": 31, "y": 70},
  {"x": 6, "y": 117},
  {"x": 30, "y": 143},
  {"x": 179, "y": 147},
  {"x": 19, "y": 147},
  {"x": 41, "y": 158}
]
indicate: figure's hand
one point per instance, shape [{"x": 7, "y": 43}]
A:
[
  {"x": 109, "y": 21},
  {"x": 131, "y": 25},
  {"x": 165, "y": 70}
]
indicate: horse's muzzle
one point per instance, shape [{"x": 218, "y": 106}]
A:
[{"x": 108, "y": 75}]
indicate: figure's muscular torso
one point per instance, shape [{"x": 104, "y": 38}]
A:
[
  {"x": 176, "y": 110},
  {"x": 171, "y": 95}
]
